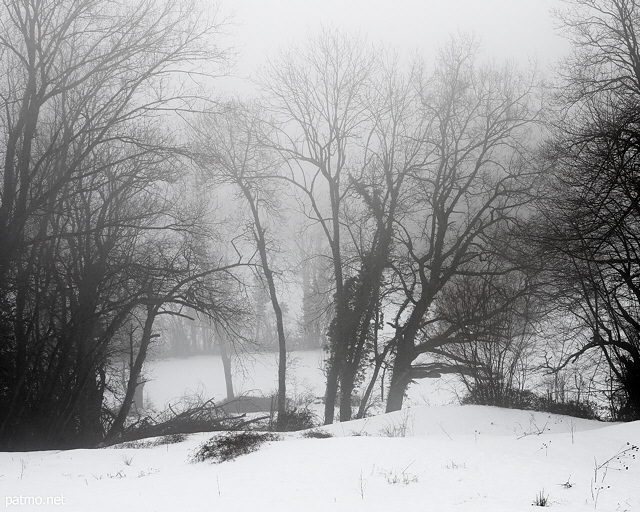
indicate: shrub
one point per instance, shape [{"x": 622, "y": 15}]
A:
[
  {"x": 317, "y": 434},
  {"x": 227, "y": 447},
  {"x": 501, "y": 397},
  {"x": 625, "y": 400},
  {"x": 573, "y": 408},
  {"x": 528, "y": 400},
  {"x": 296, "y": 420},
  {"x": 172, "y": 439},
  {"x": 164, "y": 440}
]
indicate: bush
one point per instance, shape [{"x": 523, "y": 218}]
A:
[
  {"x": 527, "y": 400},
  {"x": 296, "y": 420},
  {"x": 573, "y": 408},
  {"x": 172, "y": 439},
  {"x": 625, "y": 401},
  {"x": 317, "y": 434},
  {"x": 501, "y": 397},
  {"x": 162, "y": 441},
  {"x": 227, "y": 447}
]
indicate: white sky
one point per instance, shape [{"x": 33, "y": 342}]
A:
[{"x": 515, "y": 29}]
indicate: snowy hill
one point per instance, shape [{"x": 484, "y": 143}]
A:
[{"x": 466, "y": 458}]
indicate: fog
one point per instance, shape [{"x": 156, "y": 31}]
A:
[{"x": 523, "y": 30}]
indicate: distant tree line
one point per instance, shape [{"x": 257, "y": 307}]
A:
[{"x": 440, "y": 214}]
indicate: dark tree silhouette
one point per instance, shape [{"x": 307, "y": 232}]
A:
[
  {"x": 474, "y": 182},
  {"x": 592, "y": 223},
  {"x": 86, "y": 179}
]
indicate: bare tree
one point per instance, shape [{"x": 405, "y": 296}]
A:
[
  {"x": 473, "y": 184},
  {"x": 496, "y": 316},
  {"x": 176, "y": 275},
  {"x": 234, "y": 155},
  {"x": 317, "y": 96},
  {"x": 419, "y": 169},
  {"x": 87, "y": 169},
  {"x": 591, "y": 222},
  {"x": 394, "y": 149}
]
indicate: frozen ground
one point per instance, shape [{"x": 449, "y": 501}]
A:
[{"x": 424, "y": 458}]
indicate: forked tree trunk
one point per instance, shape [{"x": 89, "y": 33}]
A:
[
  {"x": 401, "y": 373},
  {"x": 379, "y": 361}
]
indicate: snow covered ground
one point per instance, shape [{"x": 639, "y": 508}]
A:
[
  {"x": 170, "y": 379},
  {"x": 255, "y": 374},
  {"x": 466, "y": 458},
  {"x": 424, "y": 458}
]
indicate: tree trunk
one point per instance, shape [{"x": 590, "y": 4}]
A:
[
  {"x": 226, "y": 363},
  {"x": 398, "y": 387},
  {"x": 379, "y": 360},
  {"x": 362, "y": 409},
  {"x": 282, "y": 373},
  {"x": 346, "y": 392},
  {"x": 118, "y": 424},
  {"x": 401, "y": 374},
  {"x": 261, "y": 243},
  {"x": 331, "y": 391},
  {"x": 282, "y": 346}
]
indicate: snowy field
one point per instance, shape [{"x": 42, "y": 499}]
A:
[
  {"x": 466, "y": 458},
  {"x": 424, "y": 458},
  {"x": 257, "y": 374}
]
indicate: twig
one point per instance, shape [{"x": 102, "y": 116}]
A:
[{"x": 440, "y": 425}]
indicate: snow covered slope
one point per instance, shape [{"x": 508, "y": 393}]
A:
[{"x": 466, "y": 458}]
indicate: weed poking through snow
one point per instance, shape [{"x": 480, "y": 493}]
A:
[
  {"x": 567, "y": 484},
  {"x": 362, "y": 484},
  {"x": 618, "y": 462},
  {"x": 534, "y": 429},
  {"x": 545, "y": 447},
  {"x": 541, "y": 499},
  {"x": 400, "y": 428},
  {"x": 572, "y": 429},
  {"x": 402, "y": 476},
  {"x": 150, "y": 471}
]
